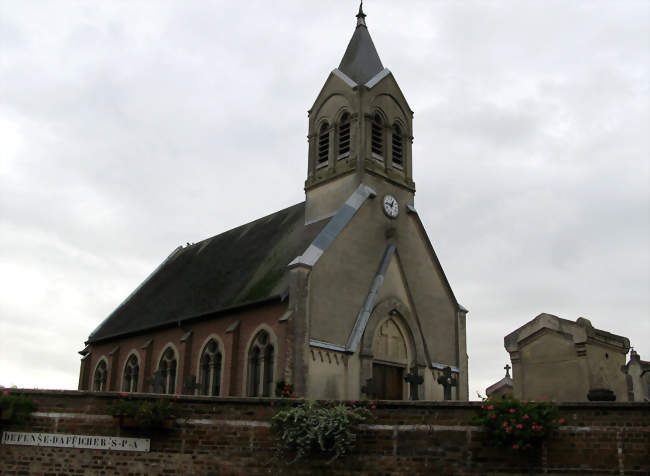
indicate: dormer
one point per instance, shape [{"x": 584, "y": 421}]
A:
[{"x": 359, "y": 126}]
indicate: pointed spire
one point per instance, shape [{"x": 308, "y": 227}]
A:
[
  {"x": 361, "y": 17},
  {"x": 361, "y": 61}
]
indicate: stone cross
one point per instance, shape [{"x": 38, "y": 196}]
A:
[
  {"x": 155, "y": 381},
  {"x": 190, "y": 384},
  {"x": 507, "y": 367},
  {"x": 414, "y": 380},
  {"x": 447, "y": 380},
  {"x": 369, "y": 388}
]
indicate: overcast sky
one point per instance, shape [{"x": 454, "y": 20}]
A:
[{"x": 128, "y": 128}]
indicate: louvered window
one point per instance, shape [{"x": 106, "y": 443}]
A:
[
  {"x": 377, "y": 137},
  {"x": 344, "y": 136},
  {"x": 323, "y": 145},
  {"x": 398, "y": 149}
]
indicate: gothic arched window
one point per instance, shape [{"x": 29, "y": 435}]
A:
[
  {"x": 210, "y": 369},
  {"x": 323, "y": 145},
  {"x": 377, "y": 137},
  {"x": 99, "y": 378},
  {"x": 261, "y": 356},
  {"x": 167, "y": 368},
  {"x": 344, "y": 136},
  {"x": 398, "y": 149},
  {"x": 131, "y": 370}
]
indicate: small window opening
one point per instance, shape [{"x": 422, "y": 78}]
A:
[
  {"x": 344, "y": 136},
  {"x": 261, "y": 359},
  {"x": 210, "y": 372},
  {"x": 99, "y": 379},
  {"x": 131, "y": 370},
  {"x": 398, "y": 150},
  {"x": 377, "y": 137},
  {"x": 323, "y": 145},
  {"x": 167, "y": 369}
]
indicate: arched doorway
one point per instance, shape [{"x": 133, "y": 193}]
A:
[{"x": 390, "y": 363}]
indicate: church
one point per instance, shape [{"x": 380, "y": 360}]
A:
[{"x": 341, "y": 296}]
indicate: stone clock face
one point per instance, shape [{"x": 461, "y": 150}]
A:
[{"x": 391, "y": 208}]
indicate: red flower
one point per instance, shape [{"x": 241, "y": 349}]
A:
[
  {"x": 493, "y": 417},
  {"x": 124, "y": 394},
  {"x": 539, "y": 427},
  {"x": 6, "y": 392},
  {"x": 350, "y": 413},
  {"x": 515, "y": 446},
  {"x": 373, "y": 406},
  {"x": 520, "y": 426},
  {"x": 505, "y": 423},
  {"x": 512, "y": 410},
  {"x": 490, "y": 407},
  {"x": 561, "y": 421},
  {"x": 272, "y": 404},
  {"x": 526, "y": 417},
  {"x": 35, "y": 401}
]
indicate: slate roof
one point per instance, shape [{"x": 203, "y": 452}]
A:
[
  {"x": 361, "y": 61},
  {"x": 241, "y": 266}
]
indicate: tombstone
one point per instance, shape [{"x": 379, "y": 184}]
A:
[
  {"x": 155, "y": 381},
  {"x": 369, "y": 388},
  {"x": 190, "y": 384},
  {"x": 414, "y": 380},
  {"x": 447, "y": 380}
]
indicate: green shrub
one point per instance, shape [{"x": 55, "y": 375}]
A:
[
  {"x": 516, "y": 424},
  {"x": 146, "y": 413},
  {"x": 313, "y": 428},
  {"x": 15, "y": 408}
]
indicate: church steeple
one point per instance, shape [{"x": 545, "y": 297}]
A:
[
  {"x": 360, "y": 131},
  {"x": 361, "y": 61}
]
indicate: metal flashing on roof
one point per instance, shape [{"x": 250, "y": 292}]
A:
[
  {"x": 439, "y": 366},
  {"x": 186, "y": 336},
  {"x": 334, "y": 227},
  {"x": 377, "y": 77},
  {"x": 411, "y": 209},
  {"x": 462, "y": 308},
  {"x": 326, "y": 345},
  {"x": 147, "y": 344},
  {"x": 369, "y": 303},
  {"x": 321, "y": 218},
  {"x": 232, "y": 327},
  {"x": 340, "y": 74},
  {"x": 285, "y": 317}
]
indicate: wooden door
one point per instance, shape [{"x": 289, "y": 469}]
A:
[{"x": 389, "y": 381}]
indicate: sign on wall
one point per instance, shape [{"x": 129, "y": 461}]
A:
[{"x": 116, "y": 443}]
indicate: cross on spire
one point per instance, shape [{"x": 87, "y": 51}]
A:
[
  {"x": 361, "y": 17},
  {"x": 507, "y": 367}
]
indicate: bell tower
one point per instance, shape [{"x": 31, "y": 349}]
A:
[{"x": 360, "y": 131}]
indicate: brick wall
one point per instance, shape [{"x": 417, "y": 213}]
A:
[{"x": 222, "y": 436}]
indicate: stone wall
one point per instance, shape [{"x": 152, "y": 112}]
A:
[{"x": 222, "y": 436}]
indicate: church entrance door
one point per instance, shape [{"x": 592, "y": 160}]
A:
[{"x": 388, "y": 381}]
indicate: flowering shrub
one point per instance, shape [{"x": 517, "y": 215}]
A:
[
  {"x": 284, "y": 390},
  {"x": 15, "y": 408},
  {"x": 312, "y": 428},
  {"x": 146, "y": 413},
  {"x": 517, "y": 424}
]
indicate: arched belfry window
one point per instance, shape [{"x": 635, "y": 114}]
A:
[
  {"x": 131, "y": 370},
  {"x": 398, "y": 148},
  {"x": 377, "y": 137},
  {"x": 261, "y": 360},
  {"x": 323, "y": 145},
  {"x": 344, "y": 136},
  {"x": 99, "y": 378},
  {"x": 210, "y": 369},
  {"x": 167, "y": 368}
]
